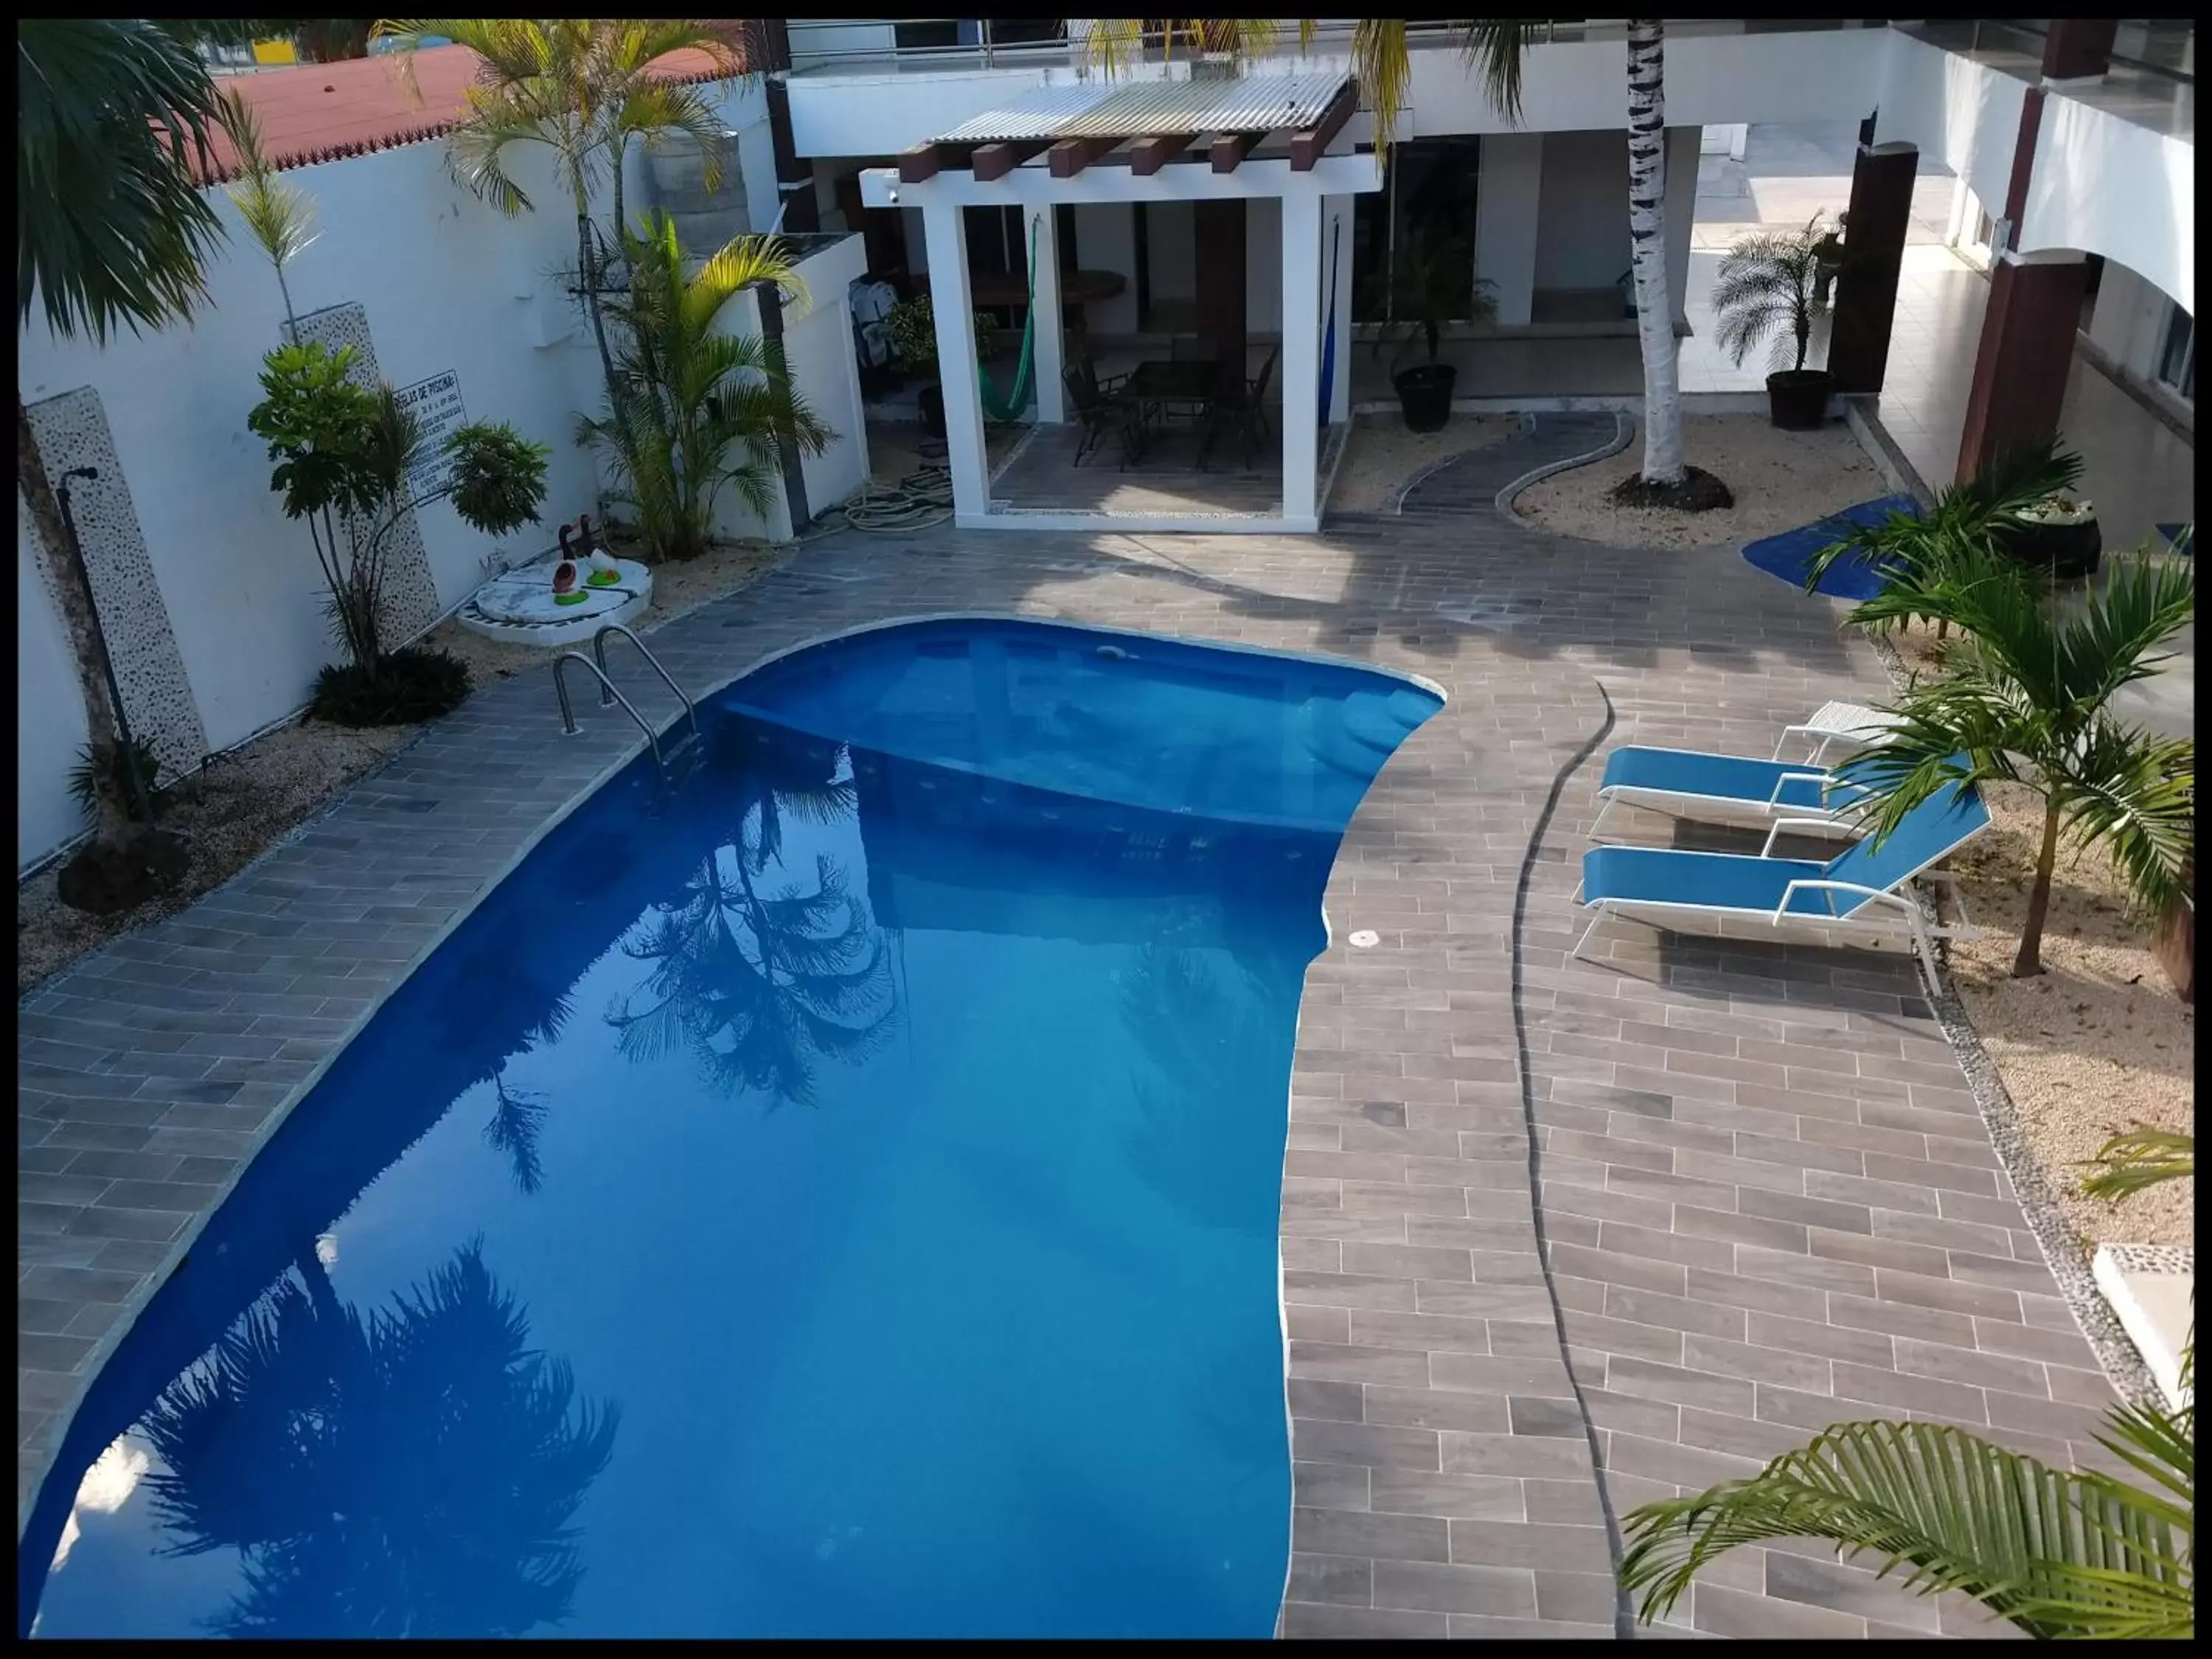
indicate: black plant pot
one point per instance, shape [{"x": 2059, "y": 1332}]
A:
[
  {"x": 932, "y": 399},
  {"x": 2066, "y": 550},
  {"x": 1797, "y": 399},
  {"x": 1425, "y": 395}
]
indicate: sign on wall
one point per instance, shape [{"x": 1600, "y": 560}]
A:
[{"x": 435, "y": 403}]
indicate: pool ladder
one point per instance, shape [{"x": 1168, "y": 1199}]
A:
[{"x": 597, "y": 663}]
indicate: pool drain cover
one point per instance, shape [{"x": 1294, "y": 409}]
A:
[{"x": 1365, "y": 940}]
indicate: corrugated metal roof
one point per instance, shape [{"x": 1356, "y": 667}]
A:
[
  {"x": 1040, "y": 115},
  {"x": 1257, "y": 103}
]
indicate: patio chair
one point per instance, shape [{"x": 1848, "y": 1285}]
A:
[
  {"x": 1851, "y": 724},
  {"x": 1234, "y": 413},
  {"x": 1688, "y": 783},
  {"x": 1101, "y": 417},
  {"x": 1862, "y": 892},
  {"x": 1258, "y": 387}
]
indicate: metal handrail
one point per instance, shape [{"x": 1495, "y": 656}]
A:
[
  {"x": 606, "y": 685},
  {"x": 568, "y": 727}
]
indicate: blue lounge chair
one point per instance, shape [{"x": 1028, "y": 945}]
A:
[
  {"x": 1865, "y": 891},
  {"x": 1687, "y": 783}
]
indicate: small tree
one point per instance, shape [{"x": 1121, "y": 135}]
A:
[
  {"x": 279, "y": 216},
  {"x": 345, "y": 455},
  {"x": 696, "y": 410},
  {"x": 2024, "y": 697},
  {"x": 1770, "y": 288}
]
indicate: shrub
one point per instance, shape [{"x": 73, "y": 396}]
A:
[
  {"x": 84, "y": 779},
  {"x": 402, "y": 688}
]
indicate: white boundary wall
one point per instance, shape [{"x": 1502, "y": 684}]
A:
[{"x": 448, "y": 283}]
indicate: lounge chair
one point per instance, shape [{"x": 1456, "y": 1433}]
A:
[
  {"x": 1863, "y": 892},
  {"x": 1687, "y": 783},
  {"x": 1851, "y": 724}
]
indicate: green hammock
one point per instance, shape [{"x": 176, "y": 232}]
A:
[{"x": 1010, "y": 407}]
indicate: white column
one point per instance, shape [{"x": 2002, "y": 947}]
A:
[
  {"x": 1302, "y": 282},
  {"x": 1339, "y": 250},
  {"x": 953, "y": 302},
  {"x": 1051, "y": 342},
  {"x": 1505, "y": 217}
]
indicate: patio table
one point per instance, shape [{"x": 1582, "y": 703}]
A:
[{"x": 1156, "y": 385}]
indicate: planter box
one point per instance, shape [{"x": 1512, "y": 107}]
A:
[{"x": 2067, "y": 550}]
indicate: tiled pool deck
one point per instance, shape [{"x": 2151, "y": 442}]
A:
[{"x": 1768, "y": 1199}]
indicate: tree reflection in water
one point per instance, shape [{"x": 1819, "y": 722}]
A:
[
  {"x": 410, "y": 1471},
  {"x": 764, "y": 965}
]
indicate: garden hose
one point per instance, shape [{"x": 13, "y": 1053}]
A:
[{"x": 921, "y": 499}]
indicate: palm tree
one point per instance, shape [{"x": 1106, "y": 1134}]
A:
[
  {"x": 413, "y": 1471},
  {"x": 2055, "y": 1553},
  {"x": 109, "y": 229},
  {"x": 1769, "y": 287},
  {"x": 2025, "y": 698},
  {"x": 1913, "y": 552},
  {"x": 279, "y": 216},
  {"x": 584, "y": 88},
  {"x": 759, "y": 985},
  {"x": 1497, "y": 47},
  {"x": 690, "y": 408}
]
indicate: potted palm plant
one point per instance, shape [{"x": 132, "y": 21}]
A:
[
  {"x": 1435, "y": 286},
  {"x": 1771, "y": 289}
]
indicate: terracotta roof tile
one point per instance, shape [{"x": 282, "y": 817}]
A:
[{"x": 322, "y": 111}]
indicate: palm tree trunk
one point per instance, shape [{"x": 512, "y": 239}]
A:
[
  {"x": 2029, "y": 962},
  {"x": 588, "y": 276},
  {"x": 1647, "y": 236},
  {"x": 65, "y": 570}
]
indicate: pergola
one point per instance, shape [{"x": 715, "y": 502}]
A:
[{"x": 1200, "y": 141}]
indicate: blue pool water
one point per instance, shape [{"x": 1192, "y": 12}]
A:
[{"x": 836, "y": 1196}]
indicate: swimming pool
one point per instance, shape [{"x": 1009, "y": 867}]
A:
[{"x": 834, "y": 1196}]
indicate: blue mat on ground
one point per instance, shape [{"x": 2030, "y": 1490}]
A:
[
  {"x": 2181, "y": 538},
  {"x": 1787, "y": 556}
]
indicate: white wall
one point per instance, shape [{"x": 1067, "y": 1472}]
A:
[
  {"x": 49, "y": 712},
  {"x": 1827, "y": 74},
  {"x": 817, "y": 344},
  {"x": 2130, "y": 320},
  {"x": 1964, "y": 114},
  {"x": 438, "y": 273},
  {"x": 1263, "y": 265},
  {"x": 1683, "y": 144},
  {"x": 2103, "y": 184},
  {"x": 1507, "y": 210},
  {"x": 447, "y": 283},
  {"x": 1581, "y": 213},
  {"x": 1105, "y": 240}
]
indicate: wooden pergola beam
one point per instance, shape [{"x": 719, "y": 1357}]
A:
[
  {"x": 1230, "y": 149},
  {"x": 920, "y": 164},
  {"x": 1148, "y": 155},
  {"x": 996, "y": 161},
  {"x": 1307, "y": 146},
  {"x": 1070, "y": 156}
]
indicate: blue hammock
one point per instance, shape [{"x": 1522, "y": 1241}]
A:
[{"x": 1790, "y": 555}]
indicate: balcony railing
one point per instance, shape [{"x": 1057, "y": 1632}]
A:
[{"x": 834, "y": 45}]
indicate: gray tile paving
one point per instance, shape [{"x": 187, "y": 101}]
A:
[{"x": 1767, "y": 1197}]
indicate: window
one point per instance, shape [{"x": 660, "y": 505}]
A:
[{"x": 2177, "y": 362}]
